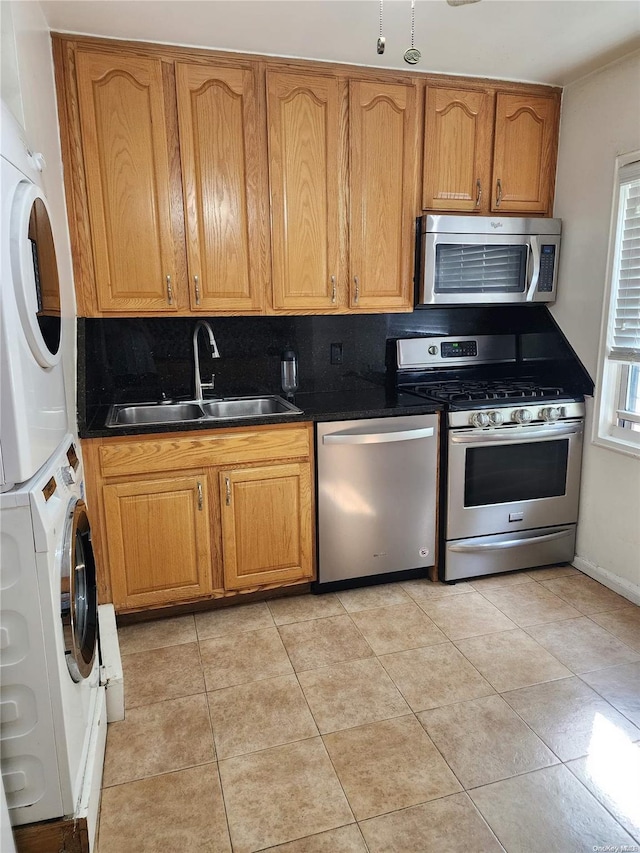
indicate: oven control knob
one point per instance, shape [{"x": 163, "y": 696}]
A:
[
  {"x": 480, "y": 419},
  {"x": 433, "y": 350},
  {"x": 551, "y": 413},
  {"x": 522, "y": 416},
  {"x": 495, "y": 418}
]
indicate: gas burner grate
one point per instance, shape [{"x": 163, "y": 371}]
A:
[{"x": 465, "y": 391}]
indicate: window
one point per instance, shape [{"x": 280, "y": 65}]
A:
[{"x": 618, "y": 410}]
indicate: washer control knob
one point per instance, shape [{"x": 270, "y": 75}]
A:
[
  {"x": 433, "y": 350},
  {"x": 551, "y": 413},
  {"x": 495, "y": 418},
  {"x": 68, "y": 475},
  {"x": 522, "y": 416},
  {"x": 480, "y": 419}
]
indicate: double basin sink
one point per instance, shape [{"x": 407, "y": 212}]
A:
[{"x": 194, "y": 411}]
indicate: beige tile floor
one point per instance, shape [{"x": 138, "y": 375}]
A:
[{"x": 499, "y": 714}]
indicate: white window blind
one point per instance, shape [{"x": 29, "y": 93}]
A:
[{"x": 624, "y": 338}]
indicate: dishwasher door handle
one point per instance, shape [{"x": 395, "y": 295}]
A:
[{"x": 377, "y": 437}]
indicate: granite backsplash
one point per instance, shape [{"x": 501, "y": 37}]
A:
[{"x": 131, "y": 360}]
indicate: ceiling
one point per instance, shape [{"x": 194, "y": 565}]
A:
[{"x": 544, "y": 41}]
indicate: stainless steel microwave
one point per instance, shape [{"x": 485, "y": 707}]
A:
[{"x": 478, "y": 260}]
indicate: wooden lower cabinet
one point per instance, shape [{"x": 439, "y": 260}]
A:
[
  {"x": 266, "y": 524},
  {"x": 159, "y": 540},
  {"x": 178, "y": 518}
]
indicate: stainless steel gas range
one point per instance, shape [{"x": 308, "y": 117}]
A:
[{"x": 512, "y": 454}]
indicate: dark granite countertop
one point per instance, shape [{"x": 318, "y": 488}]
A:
[{"x": 369, "y": 401}]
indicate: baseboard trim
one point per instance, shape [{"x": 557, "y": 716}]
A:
[{"x": 604, "y": 576}]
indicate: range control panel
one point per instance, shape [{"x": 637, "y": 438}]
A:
[
  {"x": 458, "y": 349},
  {"x": 415, "y": 353}
]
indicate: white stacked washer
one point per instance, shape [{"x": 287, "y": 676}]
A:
[
  {"x": 52, "y": 705},
  {"x": 33, "y": 418}
]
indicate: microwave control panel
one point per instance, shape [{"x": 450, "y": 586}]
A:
[{"x": 547, "y": 268}]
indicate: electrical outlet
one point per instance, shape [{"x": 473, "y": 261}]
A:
[{"x": 336, "y": 354}]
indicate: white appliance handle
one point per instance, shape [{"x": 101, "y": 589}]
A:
[
  {"x": 510, "y": 543},
  {"x": 377, "y": 437}
]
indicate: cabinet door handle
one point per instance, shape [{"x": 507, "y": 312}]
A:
[
  {"x": 196, "y": 282},
  {"x": 356, "y": 297},
  {"x": 478, "y": 192},
  {"x": 333, "y": 289},
  {"x": 498, "y": 192},
  {"x": 200, "y": 496},
  {"x": 227, "y": 488},
  {"x": 169, "y": 291}
]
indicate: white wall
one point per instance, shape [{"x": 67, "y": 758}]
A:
[
  {"x": 600, "y": 120},
  {"x": 29, "y": 90}
]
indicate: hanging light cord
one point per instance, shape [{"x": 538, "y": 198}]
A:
[
  {"x": 413, "y": 22},
  {"x": 412, "y": 55},
  {"x": 381, "y": 39}
]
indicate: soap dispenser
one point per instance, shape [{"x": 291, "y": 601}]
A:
[{"x": 289, "y": 372}]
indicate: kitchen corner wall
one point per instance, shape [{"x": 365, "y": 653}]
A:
[
  {"x": 600, "y": 120},
  {"x": 28, "y": 88}
]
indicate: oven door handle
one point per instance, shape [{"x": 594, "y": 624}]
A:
[
  {"x": 510, "y": 543},
  {"x": 518, "y": 436},
  {"x": 377, "y": 437}
]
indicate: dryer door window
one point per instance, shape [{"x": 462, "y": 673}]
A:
[
  {"x": 35, "y": 273},
  {"x": 78, "y": 593}
]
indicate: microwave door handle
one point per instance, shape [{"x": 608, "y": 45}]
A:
[{"x": 534, "y": 258}]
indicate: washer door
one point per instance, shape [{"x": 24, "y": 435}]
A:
[
  {"x": 78, "y": 593},
  {"x": 35, "y": 273}
]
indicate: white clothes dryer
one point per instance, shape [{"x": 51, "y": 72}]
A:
[
  {"x": 33, "y": 418},
  {"x": 52, "y": 704}
]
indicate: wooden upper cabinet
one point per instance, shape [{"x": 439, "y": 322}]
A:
[
  {"x": 125, "y": 139},
  {"x": 458, "y": 133},
  {"x": 305, "y": 182},
  {"x": 266, "y": 524},
  {"x": 383, "y": 185},
  {"x": 525, "y": 151},
  {"x": 223, "y": 162},
  {"x": 159, "y": 538}
]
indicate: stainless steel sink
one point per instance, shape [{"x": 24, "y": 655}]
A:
[
  {"x": 247, "y": 407},
  {"x": 153, "y": 413},
  {"x": 229, "y": 408}
]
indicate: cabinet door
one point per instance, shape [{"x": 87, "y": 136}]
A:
[
  {"x": 457, "y": 150},
  {"x": 306, "y": 192},
  {"x": 525, "y": 152},
  {"x": 266, "y": 525},
  {"x": 125, "y": 143},
  {"x": 382, "y": 158},
  {"x": 223, "y": 159},
  {"x": 158, "y": 536}
]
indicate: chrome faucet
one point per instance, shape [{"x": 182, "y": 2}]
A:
[{"x": 198, "y": 383}]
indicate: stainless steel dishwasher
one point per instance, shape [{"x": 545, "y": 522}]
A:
[{"x": 377, "y": 487}]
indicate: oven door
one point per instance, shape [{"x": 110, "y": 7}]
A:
[{"x": 513, "y": 478}]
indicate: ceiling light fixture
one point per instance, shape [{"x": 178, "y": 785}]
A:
[
  {"x": 412, "y": 55},
  {"x": 461, "y": 2}
]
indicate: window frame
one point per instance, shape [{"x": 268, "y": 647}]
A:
[{"x": 612, "y": 378}]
